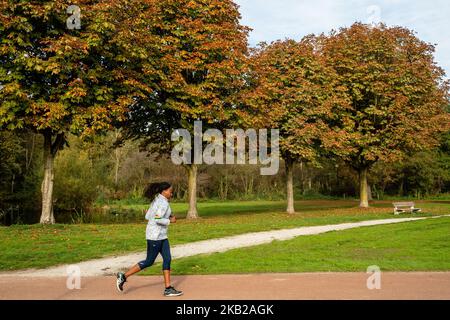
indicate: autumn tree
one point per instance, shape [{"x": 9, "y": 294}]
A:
[
  {"x": 397, "y": 91},
  {"x": 198, "y": 69},
  {"x": 291, "y": 88},
  {"x": 59, "y": 76}
]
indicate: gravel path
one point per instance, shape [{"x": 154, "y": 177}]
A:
[{"x": 110, "y": 265}]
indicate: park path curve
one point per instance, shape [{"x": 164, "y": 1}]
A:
[{"x": 110, "y": 265}]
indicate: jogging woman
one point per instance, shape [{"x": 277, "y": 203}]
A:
[{"x": 159, "y": 216}]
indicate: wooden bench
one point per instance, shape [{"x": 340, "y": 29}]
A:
[{"x": 405, "y": 207}]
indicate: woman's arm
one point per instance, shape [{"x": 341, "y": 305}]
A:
[
  {"x": 148, "y": 214},
  {"x": 151, "y": 209},
  {"x": 160, "y": 210}
]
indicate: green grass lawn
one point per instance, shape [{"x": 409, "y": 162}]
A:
[
  {"x": 409, "y": 246},
  {"x": 37, "y": 246},
  {"x": 209, "y": 209},
  {"x": 219, "y": 208}
]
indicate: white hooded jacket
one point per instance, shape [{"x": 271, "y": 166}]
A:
[{"x": 158, "y": 218}]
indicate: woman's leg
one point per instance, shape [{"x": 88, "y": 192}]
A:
[
  {"x": 134, "y": 269},
  {"x": 153, "y": 248},
  {"x": 165, "y": 252},
  {"x": 166, "y": 278},
  {"x": 167, "y": 258}
]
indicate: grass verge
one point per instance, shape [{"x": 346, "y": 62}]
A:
[{"x": 409, "y": 246}]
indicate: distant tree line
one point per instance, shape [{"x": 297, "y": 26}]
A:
[{"x": 96, "y": 171}]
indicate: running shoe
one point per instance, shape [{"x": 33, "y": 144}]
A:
[
  {"x": 172, "y": 292},
  {"x": 121, "y": 279}
]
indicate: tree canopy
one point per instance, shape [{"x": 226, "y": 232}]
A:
[
  {"x": 291, "y": 88},
  {"x": 55, "y": 80},
  {"x": 397, "y": 92}
]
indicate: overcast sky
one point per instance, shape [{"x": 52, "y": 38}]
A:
[{"x": 278, "y": 19}]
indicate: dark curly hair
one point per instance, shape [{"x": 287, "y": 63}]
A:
[{"x": 155, "y": 188}]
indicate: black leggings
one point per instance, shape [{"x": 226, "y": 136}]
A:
[{"x": 153, "y": 248}]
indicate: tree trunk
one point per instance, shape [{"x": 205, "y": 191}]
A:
[
  {"x": 302, "y": 181},
  {"x": 192, "y": 191},
  {"x": 363, "y": 192},
  {"x": 290, "y": 185},
  {"x": 223, "y": 187},
  {"x": 29, "y": 158},
  {"x": 13, "y": 180},
  {"x": 400, "y": 188},
  {"x": 116, "y": 163},
  {"x": 116, "y": 169},
  {"x": 47, "y": 184}
]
